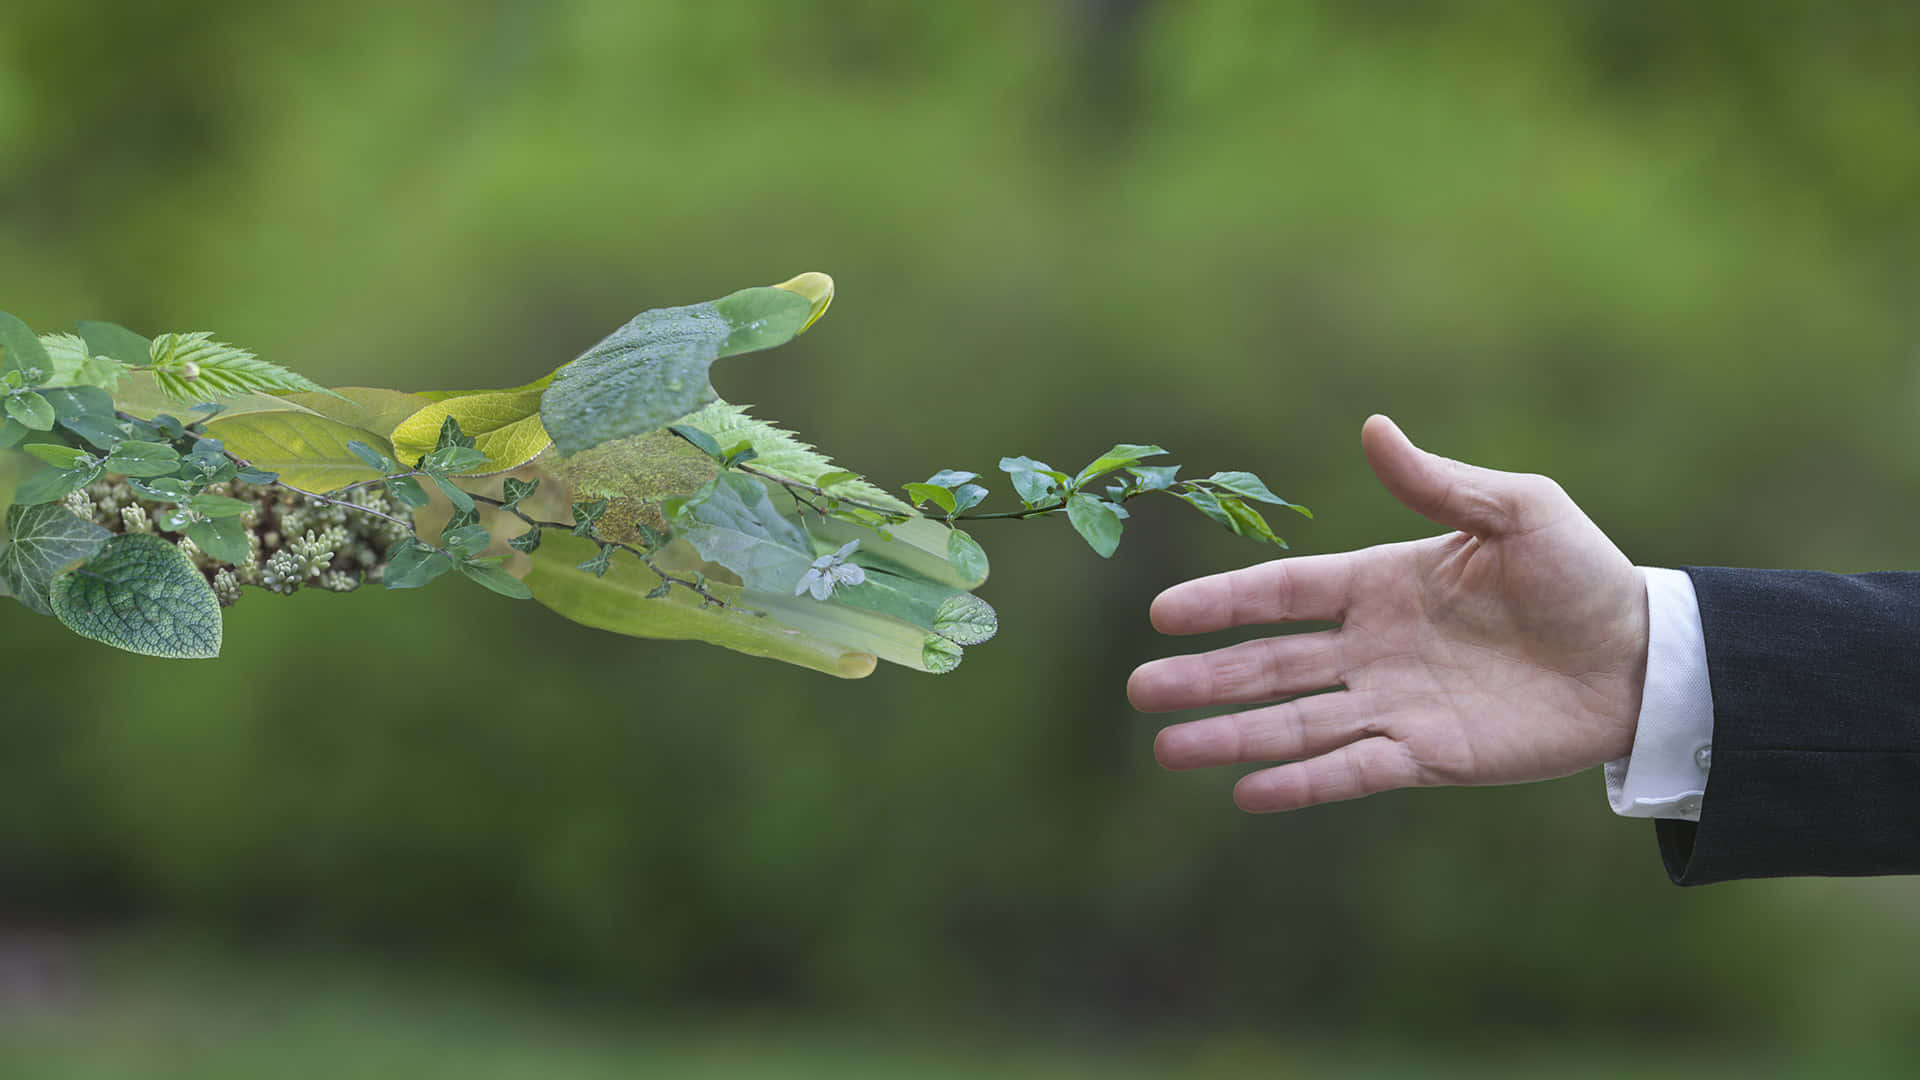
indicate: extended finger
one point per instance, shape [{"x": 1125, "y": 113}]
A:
[
  {"x": 1366, "y": 767},
  {"x": 1284, "y": 590},
  {"x": 1285, "y": 732},
  {"x": 1263, "y": 670}
]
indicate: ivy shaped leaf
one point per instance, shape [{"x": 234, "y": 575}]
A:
[
  {"x": 48, "y": 541},
  {"x": 654, "y": 370},
  {"x": 143, "y": 595}
]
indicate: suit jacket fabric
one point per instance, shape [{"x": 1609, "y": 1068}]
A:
[{"x": 1816, "y": 727}]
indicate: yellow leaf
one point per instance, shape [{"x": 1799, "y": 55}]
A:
[
  {"x": 815, "y": 286},
  {"x": 309, "y": 452},
  {"x": 505, "y": 426}
]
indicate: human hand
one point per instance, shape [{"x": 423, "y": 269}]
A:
[{"x": 1511, "y": 650}]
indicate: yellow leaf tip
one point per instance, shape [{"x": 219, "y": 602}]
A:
[{"x": 816, "y": 287}]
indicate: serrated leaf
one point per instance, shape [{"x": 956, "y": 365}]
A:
[
  {"x": 193, "y": 367},
  {"x": 940, "y": 655},
  {"x": 504, "y": 426},
  {"x": 780, "y": 453},
  {"x": 143, "y": 595},
  {"x": 224, "y": 538},
  {"x": 1096, "y": 523},
  {"x": 654, "y": 370},
  {"x": 309, "y": 452},
  {"x": 30, "y": 410},
  {"x": 47, "y": 541},
  {"x": 1120, "y": 456},
  {"x": 72, "y": 363},
  {"x": 498, "y": 580},
  {"x": 965, "y": 619},
  {"x": 20, "y": 347}
]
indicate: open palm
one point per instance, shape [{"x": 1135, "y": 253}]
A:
[{"x": 1512, "y": 649}]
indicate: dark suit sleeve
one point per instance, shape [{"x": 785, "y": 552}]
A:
[{"x": 1816, "y": 728}]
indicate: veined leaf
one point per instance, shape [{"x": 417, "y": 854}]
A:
[
  {"x": 653, "y": 370},
  {"x": 1119, "y": 457},
  {"x": 116, "y": 342},
  {"x": 1096, "y": 523},
  {"x": 143, "y": 595},
  {"x": 20, "y": 347},
  {"x": 309, "y": 452},
  {"x": 72, "y": 363},
  {"x": 47, "y": 541},
  {"x": 505, "y": 426},
  {"x": 193, "y": 367},
  {"x": 781, "y": 453},
  {"x": 965, "y": 619}
]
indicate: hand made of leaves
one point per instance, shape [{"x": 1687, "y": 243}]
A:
[{"x": 617, "y": 490}]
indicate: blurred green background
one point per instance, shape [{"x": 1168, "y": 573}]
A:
[{"x": 1662, "y": 253}]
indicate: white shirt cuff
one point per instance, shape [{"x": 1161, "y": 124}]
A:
[{"x": 1666, "y": 775}]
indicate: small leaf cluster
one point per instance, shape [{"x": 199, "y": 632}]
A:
[
  {"x": 413, "y": 562},
  {"x": 1099, "y": 516}
]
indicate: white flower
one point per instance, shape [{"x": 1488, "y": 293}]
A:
[{"x": 830, "y": 570}]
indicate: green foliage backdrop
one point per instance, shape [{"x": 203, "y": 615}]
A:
[{"x": 1665, "y": 256}]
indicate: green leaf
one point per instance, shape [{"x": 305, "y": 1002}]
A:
[
  {"x": 194, "y": 367},
  {"x": 659, "y": 590},
  {"x": 11, "y": 432},
  {"x": 939, "y": 496},
  {"x": 375, "y": 460},
  {"x": 224, "y": 538},
  {"x": 309, "y": 452},
  {"x": 1155, "y": 477},
  {"x": 74, "y": 402},
  {"x": 597, "y": 566},
  {"x": 586, "y": 515},
  {"x": 20, "y": 347},
  {"x": 53, "y": 483},
  {"x": 117, "y": 342},
  {"x": 66, "y": 457},
  {"x": 461, "y": 501},
  {"x": 406, "y": 490},
  {"x": 966, "y": 555},
  {"x": 467, "y": 541},
  {"x": 1205, "y": 502},
  {"x": 219, "y": 506},
  {"x": 1245, "y": 485},
  {"x": 102, "y": 434},
  {"x": 413, "y": 564},
  {"x": 951, "y": 478},
  {"x": 135, "y": 457},
  {"x": 454, "y": 461},
  {"x": 940, "y": 655},
  {"x": 965, "y": 619},
  {"x": 504, "y": 427},
  {"x": 1119, "y": 457},
  {"x": 498, "y": 580},
  {"x": 1245, "y": 521},
  {"x": 702, "y": 441},
  {"x": 48, "y": 541},
  {"x": 1096, "y": 523},
  {"x": 30, "y": 409},
  {"x": 73, "y": 364},
  {"x": 512, "y": 490},
  {"x": 968, "y": 496},
  {"x": 781, "y": 454},
  {"x": 653, "y": 371},
  {"x": 1033, "y": 480},
  {"x": 527, "y": 542},
  {"x": 143, "y": 595},
  {"x": 164, "y": 489}
]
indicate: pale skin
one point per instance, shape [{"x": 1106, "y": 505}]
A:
[{"x": 1509, "y": 650}]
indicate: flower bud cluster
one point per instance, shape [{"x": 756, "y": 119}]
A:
[{"x": 296, "y": 542}]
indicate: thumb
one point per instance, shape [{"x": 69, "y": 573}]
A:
[{"x": 1477, "y": 501}]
